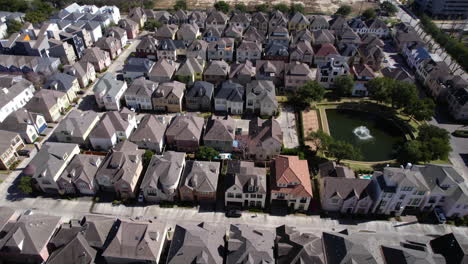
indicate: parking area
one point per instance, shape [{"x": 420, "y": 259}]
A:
[{"x": 287, "y": 121}]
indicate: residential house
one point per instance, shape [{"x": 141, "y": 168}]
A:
[
  {"x": 302, "y": 52},
  {"x": 76, "y": 127},
  {"x": 28, "y": 125},
  {"x": 216, "y": 19},
  {"x": 212, "y": 34},
  {"x": 48, "y": 164},
  {"x": 94, "y": 29},
  {"x": 358, "y": 25},
  {"x": 277, "y": 19},
  {"x": 110, "y": 45},
  {"x": 350, "y": 249},
  {"x": 398, "y": 189},
  {"x": 200, "y": 96},
  {"x": 169, "y": 96},
  {"x": 181, "y": 17},
  {"x": 362, "y": 74},
  {"x": 331, "y": 169},
  {"x": 75, "y": 41},
  {"x": 197, "y": 242},
  {"x": 49, "y": 103},
  {"x": 168, "y": 49},
  {"x": 230, "y": 98},
  {"x": 162, "y": 177},
  {"x": 167, "y": 31},
  {"x": 347, "y": 36},
  {"x": 199, "y": 181},
  {"x": 190, "y": 71},
  {"x": 265, "y": 139},
  {"x": 276, "y": 51},
  {"x": 279, "y": 35},
  {"x": 197, "y": 17},
  {"x": 297, "y": 74},
  {"x": 184, "y": 133},
  {"x": 407, "y": 254},
  {"x": 136, "y": 241},
  {"x": 294, "y": 246},
  {"x": 131, "y": 27},
  {"x": 118, "y": 33},
  {"x": 220, "y": 133},
  {"x": 240, "y": 19},
  {"x": 216, "y": 72},
  {"x": 25, "y": 64},
  {"x": 147, "y": 48},
  {"x": 245, "y": 185},
  {"x": 81, "y": 33},
  {"x": 242, "y": 73},
  {"x": 108, "y": 91},
  {"x": 234, "y": 32},
  {"x": 197, "y": 49},
  {"x": 397, "y": 74},
  {"x": 270, "y": 70},
  {"x": 452, "y": 246},
  {"x": 323, "y": 52},
  {"x": 457, "y": 98},
  {"x": 222, "y": 49},
  {"x": 62, "y": 50},
  {"x": 346, "y": 195},
  {"x": 403, "y": 35},
  {"x": 64, "y": 83},
  {"x": 79, "y": 175},
  {"x": 302, "y": 35},
  {"x": 15, "y": 93},
  {"x": 253, "y": 34},
  {"x": 138, "y": 15},
  {"x": 136, "y": 68},
  {"x": 371, "y": 55},
  {"x": 120, "y": 170},
  {"x": 150, "y": 133},
  {"x": 261, "y": 97},
  {"x": 259, "y": 21},
  {"x": 26, "y": 240},
  {"x": 298, "y": 22},
  {"x": 10, "y": 142},
  {"x": 83, "y": 71},
  {"x": 249, "y": 50},
  {"x": 335, "y": 67},
  {"x": 112, "y": 128},
  {"x": 244, "y": 240},
  {"x": 65, "y": 252},
  {"x": 138, "y": 96},
  {"x": 97, "y": 57},
  {"x": 188, "y": 33},
  {"x": 377, "y": 27},
  {"x": 455, "y": 205},
  {"x": 290, "y": 185},
  {"x": 318, "y": 23}
]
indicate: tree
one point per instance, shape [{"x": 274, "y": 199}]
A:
[
  {"x": 421, "y": 109},
  {"x": 281, "y": 7},
  {"x": 25, "y": 185},
  {"x": 344, "y": 10},
  {"x": 305, "y": 95},
  {"x": 149, "y": 4},
  {"x": 389, "y": 8},
  {"x": 261, "y": 8},
  {"x": 180, "y": 4},
  {"x": 320, "y": 140},
  {"x": 151, "y": 25},
  {"x": 241, "y": 7},
  {"x": 13, "y": 26},
  {"x": 411, "y": 152},
  {"x": 343, "y": 150},
  {"x": 297, "y": 8},
  {"x": 427, "y": 132},
  {"x": 147, "y": 156},
  {"x": 379, "y": 88},
  {"x": 343, "y": 85},
  {"x": 206, "y": 153},
  {"x": 222, "y": 6},
  {"x": 369, "y": 14},
  {"x": 183, "y": 78},
  {"x": 403, "y": 94}
]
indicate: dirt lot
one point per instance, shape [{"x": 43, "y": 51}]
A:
[{"x": 311, "y": 6}]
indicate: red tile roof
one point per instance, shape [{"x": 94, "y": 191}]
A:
[
  {"x": 290, "y": 169},
  {"x": 325, "y": 49}
]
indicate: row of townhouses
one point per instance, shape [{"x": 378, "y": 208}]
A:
[
  {"x": 394, "y": 191},
  {"x": 38, "y": 238}
]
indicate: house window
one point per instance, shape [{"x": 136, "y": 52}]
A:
[
  {"x": 239, "y": 195},
  {"x": 259, "y": 196},
  {"x": 253, "y": 196},
  {"x": 335, "y": 200},
  {"x": 402, "y": 196},
  {"x": 230, "y": 195},
  {"x": 303, "y": 200},
  {"x": 383, "y": 203}
]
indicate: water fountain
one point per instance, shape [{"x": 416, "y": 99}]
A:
[{"x": 362, "y": 133}]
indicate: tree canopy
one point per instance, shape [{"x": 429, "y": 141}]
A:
[
  {"x": 379, "y": 88},
  {"x": 180, "y": 4},
  {"x": 389, "y": 8},
  {"x": 281, "y": 7},
  {"x": 369, "y": 14},
  {"x": 343, "y": 85},
  {"x": 151, "y": 25},
  {"x": 341, "y": 150},
  {"x": 13, "y": 26},
  {"x": 25, "y": 185},
  {"x": 222, "y": 6},
  {"x": 261, "y": 8},
  {"x": 241, "y": 7},
  {"x": 297, "y": 8},
  {"x": 421, "y": 109},
  {"x": 320, "y": 139},
  {"x": 312, "y": 91},
  {"x": 344, "y": 10},
  {"x": 206, "y": 153}
]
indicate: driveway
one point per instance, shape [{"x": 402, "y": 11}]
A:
[{"x": 287, "y": 121}]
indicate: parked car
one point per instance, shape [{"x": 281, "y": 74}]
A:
[
  {"x": 24, "y": 152},
  {"x": 440, "y": 216},
  {"x": 234, "y": 213},
  {"x": 141, "y": 198}
]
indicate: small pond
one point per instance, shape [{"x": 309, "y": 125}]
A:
[{"x": 375, "y": 136}]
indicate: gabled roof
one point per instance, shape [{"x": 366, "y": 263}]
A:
[
  {"x": 216, "y": 17},
  {"x": 453, "y": 246},
  {"x": 142, "y": 87},
  {"x": 141, "y": 65},
  {"x": 242, "y": 69},
  {"x": 252, "y": 34},
  {"x": 150, "y": 129},
  {"x": 76, "y": 251},
  {"x": 399, "y": 254},
  {"x": 108, "y": 84},
  {"x": 82, "y": 168},
  {"x": 186, "y": 128},
  {"x": 363, "y": 70},
  {"x": 231, "y": 91},
  {"x": 220, "y": 129},
  {"x": 201, "y": 176},
  {"x": 44, "y": 100},
  {"x": 339, "y": 248},
  {"x": 324, "y": 35},
  {"x": 346, "y": 188},
  {"x": 60, "y": 82},
  {"x": 190, "y": 67},
  {"x": 325, "y": 50},
  {"x": 217, "y": 68},
  {"x": 170, "y": 88},
  {"x": 166, "y": 31},
  {"x": 163, "y": 68},
  {"x": 147, "y": 43},
  {"x": 212, "y": 32},
  {"x": 299, "y": 18},
  {"x": 201, "y": 89},
  {"x": 244, "y": 174},
  {"x": 77, "y": 123},
  {"x": 110, "y": 123},
  {"x": 289, "y": 170},
  {"x": 263, "y": 90},
  {"x": 247, "y": 244},
  {"x": 164, "y": 171},
  {"x": 296, "y": 247},
  {"x": 188, "y": 32}
]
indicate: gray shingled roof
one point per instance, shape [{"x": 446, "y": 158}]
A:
[
  {"x": 150, "y": 129},
  {"x": 220, "y": 68},
  {"x": 163, "y": 171},
  {"x": 247, "y": 244},
  {"x": 340, "y": 249},
  {"x": 186, "y": 128},
  {"x": 6, "y": 140},
  {"x": 76, "y": 251},
  {"x": 77, "y": 123},
  {"x": 201, "y": 176},
  {"x": 231, "y": 91},
  {"x": 220, "y": 129},
  {"x": 200, "y": 89},
  {"x": 142, "y": 87},
  {"x": 296, "y": 247},
  {"x": 110, "y": 123},
  {"x": 244, "y": 174},
  {"x": 82, "y": 167},
  {"x": 49, "y": 160}
]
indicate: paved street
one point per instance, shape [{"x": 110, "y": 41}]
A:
[{"x": 287, "y": 121}]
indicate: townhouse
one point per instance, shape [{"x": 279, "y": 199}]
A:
[
  {"x": 64, "y": 83},
  {"x": 14, "y": 94},
  {"x": 222, "y": 49},
  {"x": 50, "y": 103},
  {"x": 83, "y": 71},
  {"x": 190, "y": 71},
  {"x": 184, "y": 133},
  {"x": 29, "y": 125},
  {"x": 97, "y": 57},
  {"x": 242, "y": 73},
  {"x": 10, "y": 142},
  {"x": 230, "y": 98},
  {"x": 108, "y": 92},
  {"x": 139, "y": 95},
  {"x": 79, "y": 175},
  {"x": 113, "y": 128},
  {"x": 76, "y": 127},
  {"x": 220, "y": 133},
  {"x": 200, "y": 96},
  {"x": 216, "y": 72},
  {"x": 261, "y": 97},
  {"x": 147, "y": 48},
  {"x": 136, "y": 68},
  {"x": 245, "y": 185},
  {"x": 265, "y": 139},
  {"x": 150, "y": 133},
  {"x": 199, "y": 181},
  {"x": 163, "y": 70},
  {"x": 248, "y": 50},
  {"x": 168, "y": 97}
]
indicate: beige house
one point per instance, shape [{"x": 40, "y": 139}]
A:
[
  {"x": 10, "y": 142},
  {"x": 169, "y": 96},
  {"x": 49, "y": 103},
  {"x": 83, "y": 71},
  {"x": 76, "y": 127}
]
